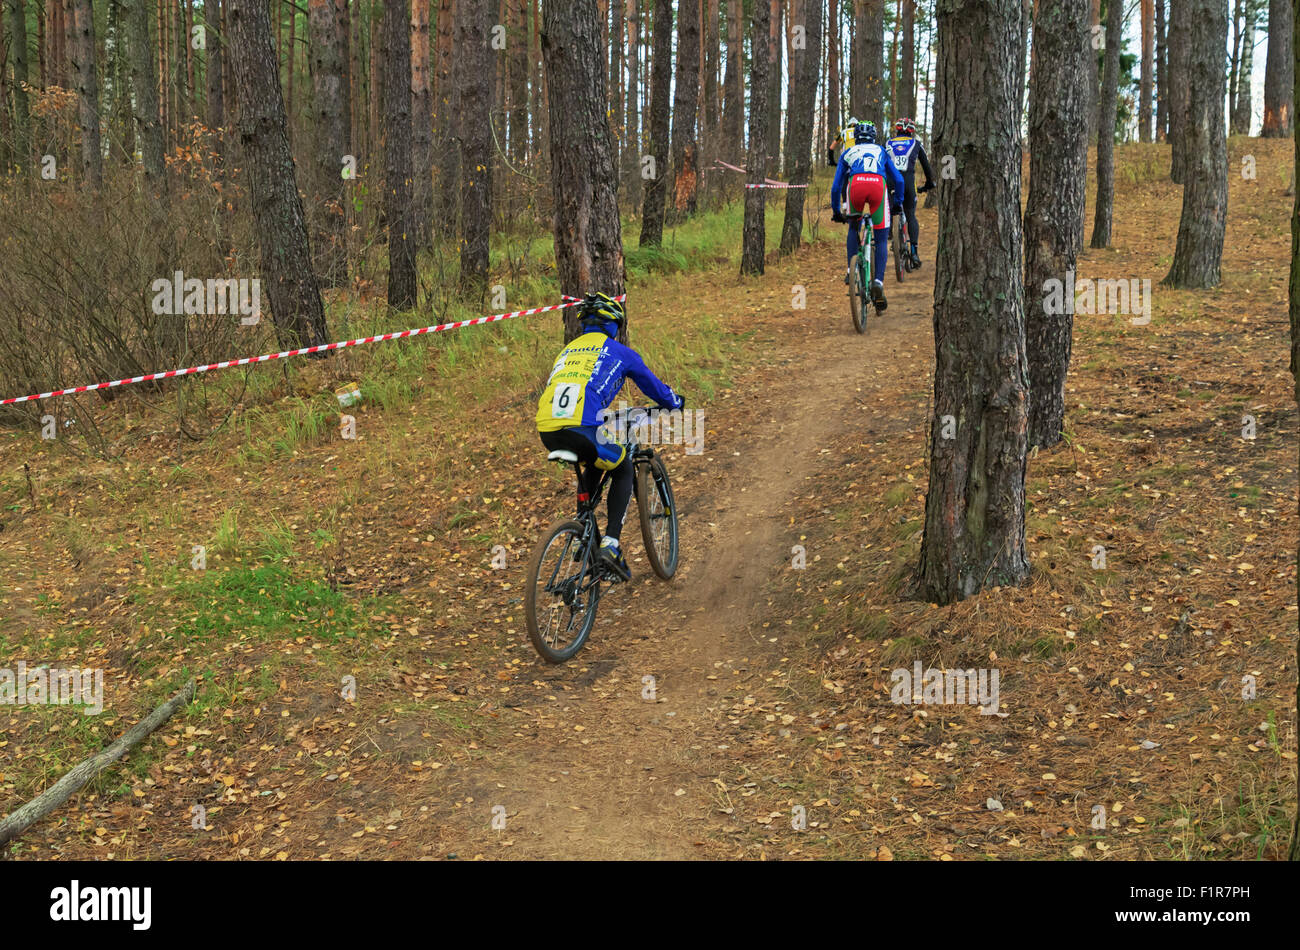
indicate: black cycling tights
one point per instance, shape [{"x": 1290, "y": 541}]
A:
[
  {"x": 909, "y": 209},
  {"x": 620, "y": 478}
]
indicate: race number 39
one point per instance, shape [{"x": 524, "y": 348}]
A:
[{"x": 565, "y": 402}]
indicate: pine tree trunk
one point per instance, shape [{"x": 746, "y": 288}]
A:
[
  {"x": 834, "y": 85},
  {"x": 421, "y": 128},
  {"x": 1058, "y": 169},
  {"x": 1279, "y": 71},
  {"x": 711, "y": 109},
  {"x": 144, "y": 89},
  {"x": 1162, "y": 75},
  {"x": 1096, "y": 39},
  {"x": 86, "y": 82},
  {"x": 907, "y": 94},
  {"x": 588, "y": 242},
  {"x": 733, "y": 83},
  {"x": 286, "y": 267},
  {"x": 686, "y": 94},
  {"x": 214, "y": 97},
  {"x": 343, "y": 25},
  {"x": 329, "y": 146},
  {"x": 775, "y": 49},
  {"x": 18, "y": 53},
  {"x": 444, "y": 120},
  {"x": 1148, "y": 70},
  {"x": 398, "y": 198},
  {"x": 803, "y": 104},
  {"x": 652, "y": 212},
  {"x": 1106, "y": 126},
  {"x": 517, "y": 54},
  {"x": 1205, "y": 194},
  {"x": 631, "y": 154},
  {"x": 617, "y": 53},
  {"x": 1241, "y": 100},
  {"x": 476, "y": 74},
  {"x": 1179, "y": 36},
  {"x": 872, "y": 45},
  {"x": 975, "y": 507},
  {"x": 754, "y": 239}
]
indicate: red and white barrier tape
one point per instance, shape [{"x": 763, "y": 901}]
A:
[
  {"x": 225, "y": 364},
  {"x": 775, "y": 184}
]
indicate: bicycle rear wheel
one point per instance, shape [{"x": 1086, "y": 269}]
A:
[
  {"x": 658, "y": 512},
  {"x": 562, "y": 592},
  {"x": 898, "y": 248},
  {"x": 857, "y": 298}
]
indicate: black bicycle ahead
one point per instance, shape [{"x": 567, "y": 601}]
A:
[{"x": 565, "y": 572}]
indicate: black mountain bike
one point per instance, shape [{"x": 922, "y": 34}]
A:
[
  {"x": 902, "y": 253},
  {"x": 565, "y": 572}
]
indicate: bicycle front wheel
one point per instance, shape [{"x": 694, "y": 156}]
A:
[
  {"x": 562, "y": 592},
  {"x": 658, "y": 512}
]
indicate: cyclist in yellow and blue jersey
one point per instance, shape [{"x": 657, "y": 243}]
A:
[{"x": 585, "y": 378}]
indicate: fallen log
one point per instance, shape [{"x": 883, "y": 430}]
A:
[{"x": 58, "y": 793}]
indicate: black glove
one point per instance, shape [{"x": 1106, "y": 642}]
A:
[
  {"x": 837, "y": 217},
  {"x": 895, "y": 209},
  {"x": 682, "y": 399},
  {"x": 929, "y": 186}
]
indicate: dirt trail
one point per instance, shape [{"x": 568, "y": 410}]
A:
[{"x": 618, "y": 775}]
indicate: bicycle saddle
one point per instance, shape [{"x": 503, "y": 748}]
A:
[{"x": 562, "y": 455}]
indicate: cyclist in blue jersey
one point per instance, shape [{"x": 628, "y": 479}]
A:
[
  {"x": 584, "y": 380},
  {"x": 859, "y": 189},
  {"x": 906, "y": 150}
]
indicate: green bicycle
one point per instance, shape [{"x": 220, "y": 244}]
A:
[{"x": 860, "y": 277}]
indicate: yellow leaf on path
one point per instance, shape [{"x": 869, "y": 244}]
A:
[{"x": 884, "y": 854}]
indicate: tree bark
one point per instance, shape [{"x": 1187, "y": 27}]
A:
[
  {"x": 330, "y": 145},
  {"x": 398, "y": 197},
  {"x": 1241, "y": 97},
  {"x": 631, "y": 153},
  {"x": 754, "y": 239},
  {"x": 87, "y": 86},
  {"x": 1205, "y": 193},
  {"x": 803, "y": 103},
  {"x": 144, "y": 89},
  {"x": 711, "y": 106},
  {"x": 1147, "y": 80},
  {"x": 1179, "y": 36},
  {"x": 22, "y": 122},
  {"x": 1279, "y": 71},
  {"x": 588, "y": 242},
  {"x": 734, "y": 106},
  {"x": 907, "y": 92},
  {"x": 517, "y": 60},
  {"x": 652, "y": 212},
  {"x": 474, "y": 24},
  {"x": 975, "y": 507},
  {"x": 686, "y": 95},
  {"x": 1058, "y": 168},
  {"x": 277, "y": 210},
  {"x": 1106, "y": 126},
  {"x": 1162, "y": 75},
  {"x": 444, "y": 119},
  {"x": 421, "y": 216},
  {"x": 1096, "y": 38}
]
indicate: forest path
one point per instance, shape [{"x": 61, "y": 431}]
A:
[{"x": 607, "y": 772}]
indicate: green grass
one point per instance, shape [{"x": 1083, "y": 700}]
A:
[{"x": 262, "y": 602}]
